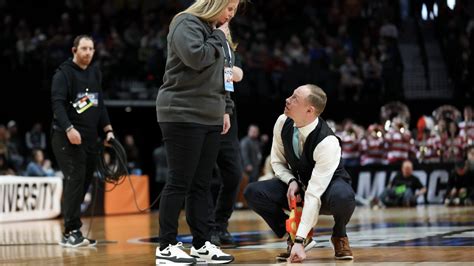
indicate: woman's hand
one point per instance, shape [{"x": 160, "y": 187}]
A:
[
  {"x": 224, "y": 28},
  {"x": 226, "y": 125}
]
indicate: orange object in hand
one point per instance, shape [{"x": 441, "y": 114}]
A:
[{"x": 293, "y": 221}]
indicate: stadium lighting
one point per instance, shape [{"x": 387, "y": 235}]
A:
[
  {"x": 424, "y": 12},
  {"x": 451, "y": 4}
]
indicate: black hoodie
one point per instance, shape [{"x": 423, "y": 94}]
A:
[{"x": 70, "y": 82}]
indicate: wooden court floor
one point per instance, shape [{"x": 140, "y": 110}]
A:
[{"x": 426, "y": 235}]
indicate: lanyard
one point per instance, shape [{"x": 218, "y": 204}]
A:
[{"x": 228, "y": 55}]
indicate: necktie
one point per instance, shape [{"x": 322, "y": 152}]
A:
[{"x": 296, "y": 142}]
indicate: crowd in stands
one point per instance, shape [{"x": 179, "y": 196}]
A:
[
  {"x": 27, "y": 154},
  {"x": 23, "y": 154},
  {"x": 348, "y": 47},
  {"x": 447, "y": 136},
  {"x": 441, "y": 138},
  {"x": 455, "y": 32}
]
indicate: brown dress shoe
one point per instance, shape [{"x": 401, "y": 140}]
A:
[{"x": 342, "y": 250}]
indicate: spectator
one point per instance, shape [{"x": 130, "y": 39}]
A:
[
  {"x": 16, "y": 145},
  {"x": 453, "y": 144},
  {"x": 12, "y": 157},
  {"x": 36, "y": 138},
  {"x": 5, "y": 167},
  {"x": 133, "y": 155},
  {"x": 372, "y": 74},
  {"x": 466, "y": 127},
  {"x": 251, "y": 153},
  {"x": 427, "y": 144},
  {"x": 404, "y": 189},
  {"x": 400, "y": 144},
  {"x": 39, "y": 166},
  {"x": 351, "y": 81},
  {"x": 373, "y": 146},
  {"x": 461, "y": 182},
  {"x": 350, "y": 143}
]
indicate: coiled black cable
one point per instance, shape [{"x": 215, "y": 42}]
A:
[{"x": 115, "y": 171}]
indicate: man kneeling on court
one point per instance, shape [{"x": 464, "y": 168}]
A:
[{"x": 306, "y": 159}]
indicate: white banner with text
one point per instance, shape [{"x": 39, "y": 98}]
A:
[{"x": 29, "y": 198}]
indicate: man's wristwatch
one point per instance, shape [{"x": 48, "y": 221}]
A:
[
  {"x": 291, "y": 180},
  {"x": 299, "y": 240}
]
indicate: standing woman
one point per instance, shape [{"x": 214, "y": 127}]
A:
[{"x": 193, "y": 107}]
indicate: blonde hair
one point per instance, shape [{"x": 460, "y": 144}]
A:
[
  {"x": 232, "y": 44},
  {"x": 317, "y": 98},
  {"x": 206, "y": 10}
]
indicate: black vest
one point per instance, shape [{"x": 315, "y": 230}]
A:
[{"x": 303, "y": 167}]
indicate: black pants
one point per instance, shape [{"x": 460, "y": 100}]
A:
[
  {"x": 268, "y": 198},
  {"x": 191, "y": 151},
  {"x": 230, "y": 166},
  {"x": 78, "y": 163}
]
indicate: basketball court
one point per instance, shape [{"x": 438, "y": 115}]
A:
[{"x": 425, "y": 235}]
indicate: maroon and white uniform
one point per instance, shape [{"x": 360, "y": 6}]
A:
[
  {"x": 453, "y": 149},
  {"x": 429, "y": 150},
  {"x": 466, "y": 131},
  {"x": 373, "y": 150},
  {"x": 399, "y": 145},
  {"x": 350, "y": 146}
]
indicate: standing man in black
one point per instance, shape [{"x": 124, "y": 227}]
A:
[
  {"x": 79, "y": 110},
  {"x": 306, "y": 159}
]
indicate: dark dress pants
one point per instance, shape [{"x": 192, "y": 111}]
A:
[
  {"x": 230, "y": 166},
  {"x": 268, "y": 199}
]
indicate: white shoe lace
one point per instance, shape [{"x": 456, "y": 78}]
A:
[
  {"x": 214, "y": 249},
  {"x": 178, "y": 250}
]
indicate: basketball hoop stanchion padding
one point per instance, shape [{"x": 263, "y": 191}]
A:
[{"x": 293, "y": 221}]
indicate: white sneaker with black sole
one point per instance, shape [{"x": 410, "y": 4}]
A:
[
  {"x": 211, "y": 254},
  {"x": 173, "y": 254}
]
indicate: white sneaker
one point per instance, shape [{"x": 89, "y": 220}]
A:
[
  {"x": 173, "y": 254},
  {"x": 211, "y": 254},
  {"x": 311, "y": 244}
]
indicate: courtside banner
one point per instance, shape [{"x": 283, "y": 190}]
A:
[
  {"x": 29, "y": 198},
  {"x": 370, "y": 181}
]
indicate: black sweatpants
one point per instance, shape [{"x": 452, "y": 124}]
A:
[
  {"x": 77, "y": 163},
  {"x": 191, "y": 151},
  {"x": 230, "y": 166},
  {"x": 268, "y": 198}
]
